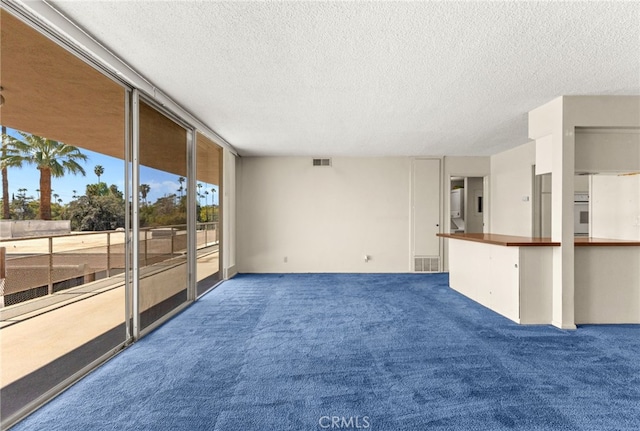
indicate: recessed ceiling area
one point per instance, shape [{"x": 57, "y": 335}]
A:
[{"x": 374, "y": 78}]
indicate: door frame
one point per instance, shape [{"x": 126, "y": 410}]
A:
[{"x": 440, "y": 213}]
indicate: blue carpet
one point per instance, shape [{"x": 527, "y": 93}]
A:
[{"x": 349, "y": 351}]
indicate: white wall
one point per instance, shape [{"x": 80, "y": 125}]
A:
[
  {"x": 324, "y": 219},
  {"x": 607, "y": 150},
  {"x": 511, "y": 181},
  {"x": 615, "y": 207},
  {"x": 581, "y": 183},
  {"x": 464, "y": 167}
]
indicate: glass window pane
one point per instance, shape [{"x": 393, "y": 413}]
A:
[
  {"x": 63, "y": 302},
  {"x": 163, "y": 215},
  {"x": 208, "y": 175}
]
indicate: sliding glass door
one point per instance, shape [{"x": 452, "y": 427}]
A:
[
  {"x": 163, "y": 190},
  {"x": 208, "y": 213},
  {"x": 63, "y": 229},
  {"x": 111, "y": 216}
]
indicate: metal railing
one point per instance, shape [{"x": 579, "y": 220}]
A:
[{"x": 31, "y": 267}]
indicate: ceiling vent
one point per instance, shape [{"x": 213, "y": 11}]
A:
[{"x": 321, "y": 162}]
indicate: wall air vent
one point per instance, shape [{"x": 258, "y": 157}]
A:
[
  {"x": 321, "y": 162},
  {"x": 426, "y": 263}
]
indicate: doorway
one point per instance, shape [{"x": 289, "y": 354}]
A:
[{"x": 466, "y": 204}]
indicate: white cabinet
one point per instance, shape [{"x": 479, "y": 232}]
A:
[{"x": 514, "y": 281}]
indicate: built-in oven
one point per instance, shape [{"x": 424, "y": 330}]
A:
[{"x": 581, "y": 214}]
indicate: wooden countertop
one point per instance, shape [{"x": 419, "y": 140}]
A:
[
  {"x": 604, "y": 242},
  {"x": 504, "y": 240},
  {"x": 525, "y": 241}
]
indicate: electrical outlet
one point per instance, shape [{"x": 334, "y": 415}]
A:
[{"x": 286, "y": 259}]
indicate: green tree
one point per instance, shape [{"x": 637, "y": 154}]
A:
[
  {"x": 113, "y": 189},
  {"x": 167, "y": 212},
  {"x": 213, "y": 206},
  {"x": 98, "y": 170},
  {"x": 99, "y": 189},
  {"x": 57, "y": 210},
  {"x": 52, "y": 158},
  {"x": 94, "y": 213}
]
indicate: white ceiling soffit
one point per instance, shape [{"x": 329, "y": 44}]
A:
[{"x": 370, "y": 78}]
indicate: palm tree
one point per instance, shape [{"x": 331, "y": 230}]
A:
[
  {"x": 6, "y": 214},
  {"x": 52, "y": 158},
  {"x": 206, "y": 204},
  {"x": 181, "y": 180},
  {"x": 213, "y": 207},
  {"x": 144, "y": 190},
  {"x": 98, "y": 170}
]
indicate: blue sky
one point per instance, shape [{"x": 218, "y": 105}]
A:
[{"x": 161, "y": 183}]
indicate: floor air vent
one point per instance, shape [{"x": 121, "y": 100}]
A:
[
  {"x": 321, "y": 162},
  {"x": 426, "y": 264}
]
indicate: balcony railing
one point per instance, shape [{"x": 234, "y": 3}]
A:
[{"x": 39, "y": 266}]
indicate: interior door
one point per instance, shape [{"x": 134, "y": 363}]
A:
[{"x": 426, "y": 214}]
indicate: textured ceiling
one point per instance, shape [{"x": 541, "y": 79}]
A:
[{"x": 379, "y": 78}]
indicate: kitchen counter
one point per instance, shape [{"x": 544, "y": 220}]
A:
[
  {"x": 503, "y": 240},
  {"x": 525, "y": 241},
  {"x": 513, "y": 276},
  {"x": 604, "y": 242}
]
